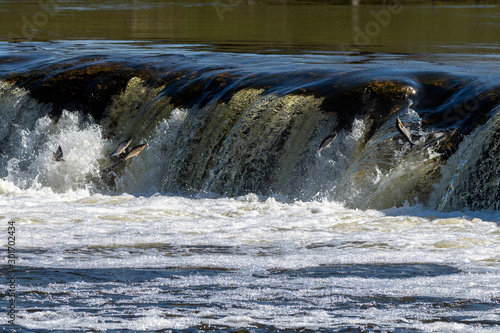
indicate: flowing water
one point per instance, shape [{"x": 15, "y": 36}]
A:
[{"x": 230, "y": 220}]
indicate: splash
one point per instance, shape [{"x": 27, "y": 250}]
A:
[
  {"x": 144, "y": 174},
  {"x": 31, "y": 164},
  {"x": 227, "y": 132}
]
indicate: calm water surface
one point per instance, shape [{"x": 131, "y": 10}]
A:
[{"x": 380, "y": 26}]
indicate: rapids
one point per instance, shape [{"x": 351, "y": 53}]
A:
[
  {"x": 233, "y": 130},
  {"x": 229, "y": 220}
]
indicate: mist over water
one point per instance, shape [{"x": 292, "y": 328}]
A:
[{"x": 229, "y": 220}]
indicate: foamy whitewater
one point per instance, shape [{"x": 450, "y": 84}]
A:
[
  {"x": 133, "y": 263},
  {"x": 230, "y": 221}
]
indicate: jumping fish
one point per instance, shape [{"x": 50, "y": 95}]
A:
[
  {"x": 121, "y": 148},
  {"x": 448, "y": 133},
  {"x": 404, "y": 131},
  {"x": 326, "y": 142},
  {"x": 134, "y": 151},
  {"x": 58, "y": 155}
]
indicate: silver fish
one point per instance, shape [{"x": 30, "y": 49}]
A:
[
  {"x": 58, "y": 155},
  {"x": 404, "y": 131},
  {"x": 134, "y": 151},
  {"x": 326, "y": 142},
  {"x": 121, "y": 148},
  {"x": 448, "y": 133}
]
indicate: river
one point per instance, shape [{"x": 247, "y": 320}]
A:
[{"x": 232, "y": 218}]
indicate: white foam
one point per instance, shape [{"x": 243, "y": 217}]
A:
[
  {"x": 31, "y": 164},
  {"x": 8, "y": 188},
  {"x": 73, "y": 220},
  {"x": 246, "y": 239}
]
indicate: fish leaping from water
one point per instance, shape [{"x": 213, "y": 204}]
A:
[
  {"x": 326, "y": 142},
  {"x": 404, "y": 131},
  {"x": 125, "y": 155},
  {"x": 134, "y": 151},
  {"x": 121, "y": 148},
  {"x": 58, "y": 155},
  {"x": 448, "y": 133}
]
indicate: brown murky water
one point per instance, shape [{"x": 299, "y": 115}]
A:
[{"x": 248, "y": 25}]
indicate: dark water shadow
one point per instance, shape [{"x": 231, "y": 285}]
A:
[{"x": 374, "y": 271}]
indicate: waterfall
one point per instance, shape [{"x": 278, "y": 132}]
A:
[{"x": 234, "y": 133}]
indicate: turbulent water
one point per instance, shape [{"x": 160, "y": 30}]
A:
[{"x": 230, "y": 219}]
